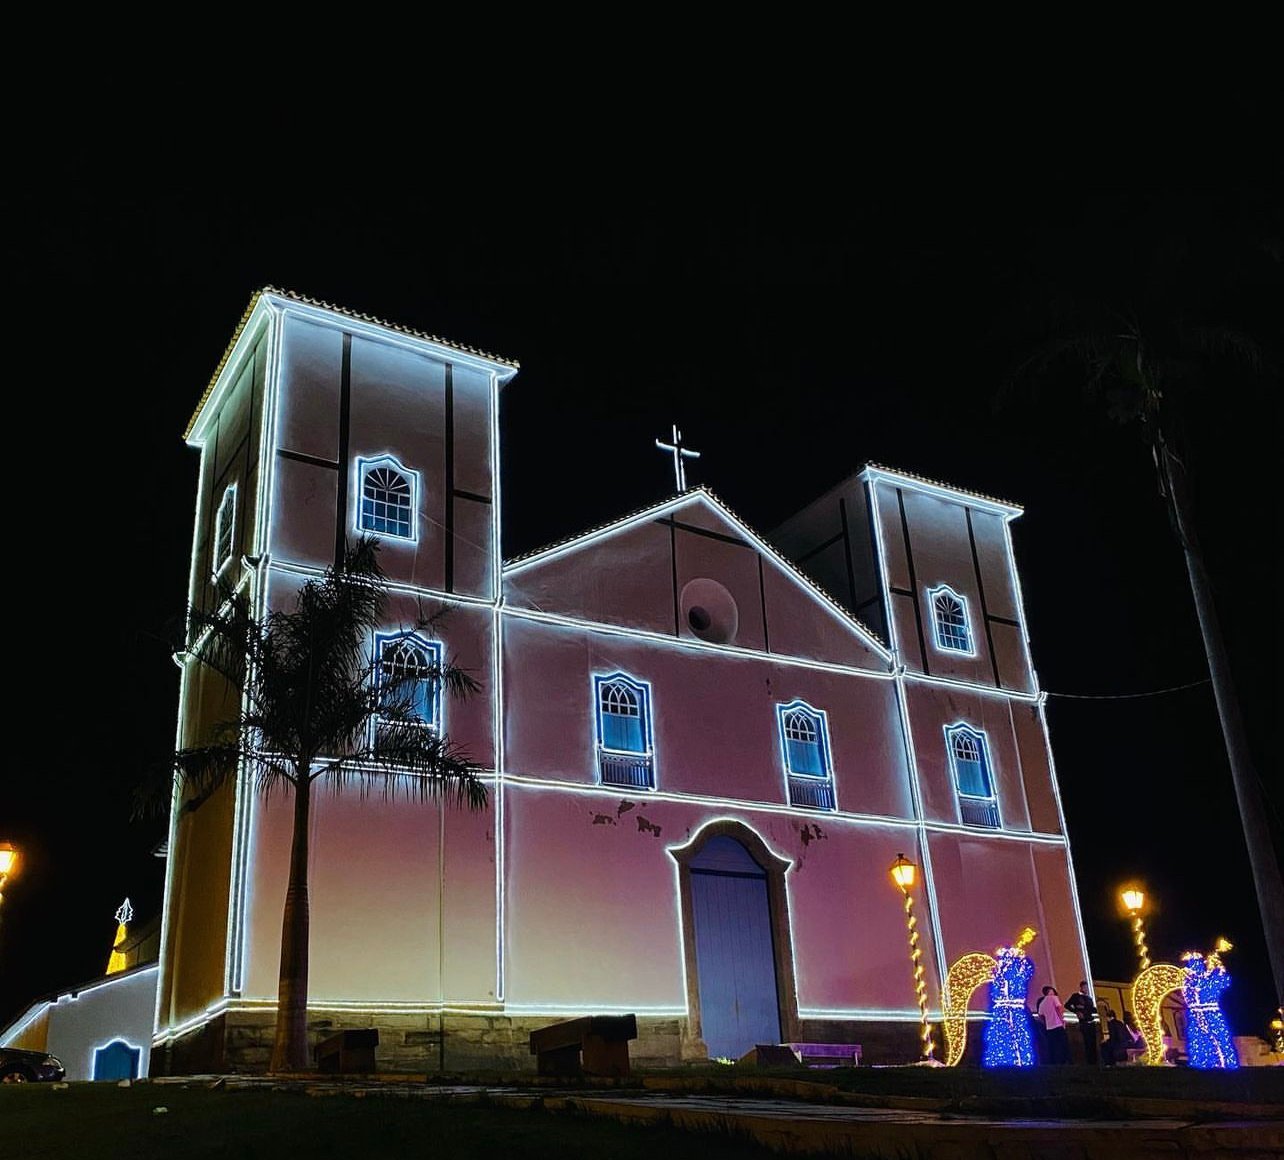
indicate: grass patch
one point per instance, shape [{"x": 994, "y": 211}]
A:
[{"x": 104, "y": 1122}]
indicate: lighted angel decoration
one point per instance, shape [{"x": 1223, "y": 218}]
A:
[{"x": 1008, "y": 1042}]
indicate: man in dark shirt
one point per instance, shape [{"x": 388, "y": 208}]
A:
[{"x": 1085, "y": 1011}]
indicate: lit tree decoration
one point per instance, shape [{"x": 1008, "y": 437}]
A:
[
  {"x": 124, "y": 915},
  {"x": 1148, "y": 992},
  {"x": 1008, "y": 1042},
  {"x": 1007, "y": 1035},
  {"x": 1208, "y": 1037}
]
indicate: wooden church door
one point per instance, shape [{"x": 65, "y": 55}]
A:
[{"x": 735, "y": 956}]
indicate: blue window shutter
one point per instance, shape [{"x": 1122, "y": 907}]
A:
[
  {"x": 972, "y": 779},
  {"x": 624, "y": 733},
  {"x": 804, "y": 757}
]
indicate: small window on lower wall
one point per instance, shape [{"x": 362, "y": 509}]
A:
[
  {"x": 970, "y": 765},
  {"x": 804, "y": 745}
]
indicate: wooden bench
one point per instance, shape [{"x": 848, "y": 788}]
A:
[
  {"x": 827, "y": 1054},
  {"x": 603, "y": 1040},
  {"x": 348, "y": 1052}
]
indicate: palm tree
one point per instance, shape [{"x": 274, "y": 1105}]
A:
[
  {"x": 315, "y": 704},
  {"x": 1146, "y": 371}
]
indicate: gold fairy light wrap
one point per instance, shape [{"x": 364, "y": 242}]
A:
[{"x": 1148, "y": 992}]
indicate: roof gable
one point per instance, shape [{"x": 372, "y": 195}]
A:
[{"x": 665, "y": 568}]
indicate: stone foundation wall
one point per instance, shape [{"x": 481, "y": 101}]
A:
[{"x": 241, "y": 1041}]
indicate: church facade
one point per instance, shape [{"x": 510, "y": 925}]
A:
[{"x": 700, "y": 762}]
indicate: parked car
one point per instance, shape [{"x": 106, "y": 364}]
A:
[{"x": 18, "y": 1066}]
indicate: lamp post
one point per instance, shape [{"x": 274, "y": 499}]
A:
[
  {"x": 8, "y": 868},
  {"x": 903, "y": 873},
  {"x": 1134, "y": 899}
]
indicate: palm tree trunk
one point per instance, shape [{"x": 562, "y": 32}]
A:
[
  {"x": 1248, "y": 790},
  {"x": 290, "y": 1048}
]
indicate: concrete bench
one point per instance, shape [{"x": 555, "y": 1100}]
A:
[
  {"x": 348, "y": 1052},
  {"x": 827, "y": 1054},
  {"x": 603, "y": 1040}
]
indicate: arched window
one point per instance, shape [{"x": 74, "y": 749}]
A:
[
  {"x": 387, "y": 498},
  {"x": 409, "y": 679},
  {"x": 804, "y": 741},
  {"x": 970, "y": 765},
  {"x": 623, "y": 713},
  {"x": 949, "y": 614},
  {"x": 224, "y": 529}
]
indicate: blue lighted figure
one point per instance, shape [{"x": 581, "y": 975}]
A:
[
  {"x": 1007, "y": 1035},
  {"x": 1208, "y": 1037}
]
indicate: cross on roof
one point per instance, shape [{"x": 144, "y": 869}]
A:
[{"x": 679, "y": 454}]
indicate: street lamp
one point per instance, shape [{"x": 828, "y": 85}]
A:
[
  {"x": 8, "y": 866},
  {"x": 904, "y": 873},
  {"x": 1134, "y": 899}
]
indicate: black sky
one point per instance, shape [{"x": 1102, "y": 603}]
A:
[{"x": 793, "y": 337}]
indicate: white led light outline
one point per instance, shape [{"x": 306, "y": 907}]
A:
[
  {"x": 650, "y": 752},
  {"x": 593, "y": 789},
  {"x": 40, "y": 1007},
  {"x": 397, "y": 587},
  {"x": 937, "y": 642},
  {"x": 357, "y": 327},
  {"x": 1061, "y": 818},
  {"x": 964, "y": 728},
  {"x": 689, "y": 643},
  {"x": 227, "y": 503},
  {"x": 924, "y": 828},
  {"x": 940, "y": 491},
  {"x": 231, "y": 371},
  {"x": 363, "y": 464}
]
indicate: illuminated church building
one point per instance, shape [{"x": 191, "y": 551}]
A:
[{"x": 700, "y": 762}]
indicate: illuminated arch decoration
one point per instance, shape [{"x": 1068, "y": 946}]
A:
[
  {"x": 1148, "y": 992},
  {"x": 804, "y": 747},
  {"x": 1208, "y": 1038},
  {"x": 389, "y": 498},
  {"x": 953, "y": 629},
  {"x": 224, "y": 529},
  {"x": 973, "y": 779}
]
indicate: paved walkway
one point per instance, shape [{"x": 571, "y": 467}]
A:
[{"x": 802, "y": 1128}]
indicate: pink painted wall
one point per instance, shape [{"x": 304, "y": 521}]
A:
[
  {"x": 398, "y": 408},
  {"x": 989, "y": 890},
  {"x": 714, "y": 714},
  {"x": 1013, "y": 766},
  {"x": 942, "y": 554},
  {"x": 593, "y": 912}
]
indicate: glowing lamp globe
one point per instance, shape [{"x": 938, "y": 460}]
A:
[
  {"x": 903, "y": 872},
  {"x": 8, "y": 859},
  {"x": 1133, "y": 899}
]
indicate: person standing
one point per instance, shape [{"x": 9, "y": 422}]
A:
[
  {"x": 1085, "y": 1010},
  {"x": 1055, "y": 1027}
]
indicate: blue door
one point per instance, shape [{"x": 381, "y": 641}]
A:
[
  {"x": 117, "y": 1061},
  {"x": 735, "y": 956}
]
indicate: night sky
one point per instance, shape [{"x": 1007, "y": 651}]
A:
[{"x": 793, "y": 338}]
